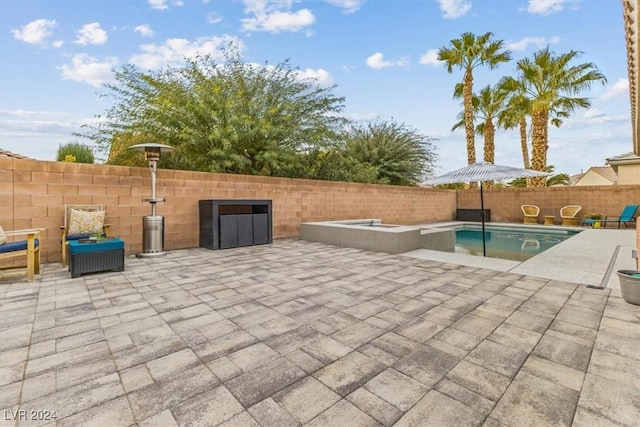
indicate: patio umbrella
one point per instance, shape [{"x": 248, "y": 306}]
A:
[{"x": 484, "y": 172}]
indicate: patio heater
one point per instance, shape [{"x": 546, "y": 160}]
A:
[{"x": 152, "y": 225}]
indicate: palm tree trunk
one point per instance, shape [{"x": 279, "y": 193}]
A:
[
  {"x": 540, "y": 143},
  {"x": 468, "y": 120},
  {"x": 524, "y": 147},
  {"x": 489, "y": 147},
  {"x": 523, "y": 142},
  {"x": 468, "y": 117}
]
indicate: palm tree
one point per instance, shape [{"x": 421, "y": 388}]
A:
[
  {"x": 467, "y": 53},
  {"x": 515, "y": 114},
  {"x": 488, "y": 105},
  {"x": 551, "y": 84}
]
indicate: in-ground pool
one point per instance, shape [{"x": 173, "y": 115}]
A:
[{"x": 516, "y": 244}]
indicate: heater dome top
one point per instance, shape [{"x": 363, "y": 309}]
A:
[{"x": 152, "y": 146}]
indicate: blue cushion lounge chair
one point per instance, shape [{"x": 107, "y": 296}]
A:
[
  {"x": 627, "y": 216},
  {"x": 29, "y": 248}
]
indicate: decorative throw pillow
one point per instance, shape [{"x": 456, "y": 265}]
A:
[
  {"x": 3, "y": 236},
  {"x": 82, "y": 222}
]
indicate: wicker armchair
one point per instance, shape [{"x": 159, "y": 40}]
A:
[
  {"x": 83, "y": 228},
  {"x": 568, "y": 215},
  {"x": 530, "y": 214}
]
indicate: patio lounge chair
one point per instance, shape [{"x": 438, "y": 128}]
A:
[
  {"x": 530, "y": 214},
  {"x": 29, "y": 248},
  {"x": 568, "y": 215},
  {"x": 80, "y": 222},
  {"x": 626, "y": 216}
]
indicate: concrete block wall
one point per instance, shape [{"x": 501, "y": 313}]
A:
[
  {"x": 33, "y": 194},
  {"x": 505, "y": 202}
]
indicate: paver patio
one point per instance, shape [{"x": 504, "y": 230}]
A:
[{"x": 299, "y": 333}]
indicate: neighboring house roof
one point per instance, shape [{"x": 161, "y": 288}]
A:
[
  {"x": 573, "y": 179},
  {"x": 605, "y": 172},
  {"x": 623, "y": 159},
  {"x": 9, "y": 154}
]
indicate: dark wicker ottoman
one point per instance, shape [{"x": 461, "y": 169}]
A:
[{"x": 102, "y": 255}]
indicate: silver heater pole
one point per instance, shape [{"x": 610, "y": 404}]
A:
[{"x": 152, "y": 225}]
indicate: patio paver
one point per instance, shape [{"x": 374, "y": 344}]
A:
[{"x": 297, "y": 333}]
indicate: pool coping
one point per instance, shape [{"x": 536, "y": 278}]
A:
[{"x": 584, "y": 258}]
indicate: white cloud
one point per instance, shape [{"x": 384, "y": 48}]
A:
[
  {"x": 546, "y": 7},
  {"x": 158, "y": 4},
  {"x": 87, "y": 69},
  {"x": 349, "y": 6},
  {"x": 91, "y": 34},
  {"x": 144, "y": 30},
  {"x": 38, "y": 134},
  {"x": 592, "y": 113},
  {"x": 377, "y": 62},
  {"x": 35, "y": 32},
  {"x": 213, "y": 17},
  {"x": 539, "y": 42},
  {"x": 276, "y": 22},
  {"x": 275, "y": 16},
  {"x": 162, "y": 4},
  {"x": 31, "y": 113},
  {"x": 618, "y": 89},
  {"x": 430, "y": 58},
  {"x": 454, "y": 8},
  {"x": 593, "y": 117},
  {"x": 173, "y": 51},
  {"x": 322, "y": 77},
  {"x": 362, "y": 117}
]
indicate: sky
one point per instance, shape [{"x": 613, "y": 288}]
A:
[{"x": 381, "y": 55}]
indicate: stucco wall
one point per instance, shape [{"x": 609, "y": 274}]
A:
[
  {"x": 505, "y": 202},
  {"x": 33, "y": 195},
  {"x": 629, "y": 174}
]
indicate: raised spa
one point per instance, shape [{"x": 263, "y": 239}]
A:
[{"x": 373, "y": 235}]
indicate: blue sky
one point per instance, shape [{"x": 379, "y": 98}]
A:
[{"x": 55, "y": 56}]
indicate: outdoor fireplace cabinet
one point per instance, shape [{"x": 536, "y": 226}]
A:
[
  {"x": 473, "y": 215},
  {"x": 232, "y": 223}
]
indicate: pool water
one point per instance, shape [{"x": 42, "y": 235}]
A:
[{"x": 512, "y": 244}]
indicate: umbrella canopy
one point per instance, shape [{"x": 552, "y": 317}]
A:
[{"x": 484, "y": 172}]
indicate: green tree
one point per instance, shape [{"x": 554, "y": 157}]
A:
[
  {"x": 74, "y": 152},
  {"x": 231, "y": 117},
  {"x": 552, "y": 84},
  {"x": 467, "y": 53},
  {"x": 399, "y": 154},
  {"x": 555, "y": 179},
  {"x": 119, "y": 154},
  {"x": 334, "y": 165}
]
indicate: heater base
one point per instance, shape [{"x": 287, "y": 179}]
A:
[{"x": 150, "y": 254}]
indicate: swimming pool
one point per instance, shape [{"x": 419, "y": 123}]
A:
[{"x": 517, "y": 244}]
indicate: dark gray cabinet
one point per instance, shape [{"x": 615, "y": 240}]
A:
[
  {"x": 473, "y": 215},
  {"x": 233, "y": 223}
]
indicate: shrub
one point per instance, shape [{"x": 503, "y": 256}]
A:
[{"x": 74, "y": 152}]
